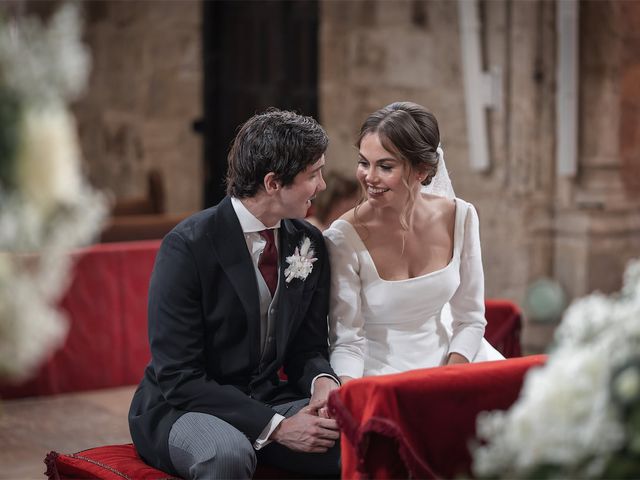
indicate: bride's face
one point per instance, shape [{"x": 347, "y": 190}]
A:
[{"x": 386, "y": 178}]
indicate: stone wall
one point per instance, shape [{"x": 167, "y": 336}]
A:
[
  {"x": 146, "y": 90},
  {"x": 597, "y": 223},
  {"x": 581, "y": 230},
  {"x": 144, "y": 94}
]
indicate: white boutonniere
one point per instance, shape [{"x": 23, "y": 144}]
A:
[{"x": 301, "y": 262}]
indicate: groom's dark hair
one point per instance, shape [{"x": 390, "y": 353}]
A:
[{"x": 277, "y": 141}]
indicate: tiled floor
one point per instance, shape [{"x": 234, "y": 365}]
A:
[{"x": 31, "y": 427}]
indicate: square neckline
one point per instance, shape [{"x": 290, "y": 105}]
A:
[{"x": 424, "y": 275}]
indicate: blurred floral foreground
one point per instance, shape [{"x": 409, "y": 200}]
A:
[
  {"x": 579, "y": 415},
  {"x": 46, "y": 208}
]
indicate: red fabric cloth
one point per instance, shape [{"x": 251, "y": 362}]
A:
[
  {"x": 115, "y": 462},
  {"x": 504, "y": 325},
  {"x": 106, "y": 305},
  {"x": 419, "y": 423},
  {"x": 112, "y": 462}
]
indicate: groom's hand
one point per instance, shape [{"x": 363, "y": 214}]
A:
[{"x": 306, "y": 432}]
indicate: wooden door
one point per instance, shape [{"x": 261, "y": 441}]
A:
[{"x": 257, "y": 54}]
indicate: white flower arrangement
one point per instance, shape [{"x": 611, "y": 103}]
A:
[
  {"x": 301, "y": 262},
  {"x": 46, "y": 208},
  {"x": 578, "y": 416}
]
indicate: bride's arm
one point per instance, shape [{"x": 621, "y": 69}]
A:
[
  {"x": 467, "y": 304},
  {"x": 346, "y": 337},
  {"x": 456, "y": 358}
]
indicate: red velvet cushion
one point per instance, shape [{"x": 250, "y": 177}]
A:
[
  {"x": 111, "y": 462},
  {"x": 419, "y": 424},
  {"x": 115, "y": 462}
]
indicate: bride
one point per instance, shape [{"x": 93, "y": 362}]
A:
[{"x": 407, "y": 288}]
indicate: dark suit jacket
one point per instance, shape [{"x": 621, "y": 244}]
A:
[{"x": 204, "y": 331}]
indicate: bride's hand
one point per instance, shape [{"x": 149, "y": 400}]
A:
[
  {"x": 344, "y": 379},
  {"x": 318, "y": 402},
  {"x": 455, "y": 358}
]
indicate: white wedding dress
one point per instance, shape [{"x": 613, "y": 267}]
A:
[{"x": 379, "y": 326}]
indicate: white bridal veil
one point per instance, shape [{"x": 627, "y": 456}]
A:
[{"x": 441, "y": 183}]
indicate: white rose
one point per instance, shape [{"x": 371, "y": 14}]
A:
[{"x": 48, "y": 167}]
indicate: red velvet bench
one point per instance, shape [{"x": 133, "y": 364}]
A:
[
  {"x": 419, "y": 424},
  {"x": 117, "y": 462},
  {"x": 111, "y": 462},
  {"x": 106, "y": 305}
]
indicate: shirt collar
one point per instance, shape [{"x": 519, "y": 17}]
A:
[{"x": 248, "y": 222}]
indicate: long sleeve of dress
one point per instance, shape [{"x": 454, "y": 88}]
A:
[
  {"x": 345, "y": 319},
  {"x": 467, "y": 303}
]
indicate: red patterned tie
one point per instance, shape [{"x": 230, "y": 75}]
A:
[{"x": 268, "y": 263}]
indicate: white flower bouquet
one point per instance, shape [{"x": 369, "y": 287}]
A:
[
  {"x": 579, "y": 415},
  {"x": 46, "y": 208}
]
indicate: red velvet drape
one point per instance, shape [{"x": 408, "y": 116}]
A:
[
  {"x": 419, "y": 424},
  {"x": 106, "y": 305}
]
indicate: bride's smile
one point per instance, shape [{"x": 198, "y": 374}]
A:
[{"x": 371, "y": 190}]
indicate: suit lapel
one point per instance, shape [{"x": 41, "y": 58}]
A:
[
  {"x": 231, "y": 247},
  {"x": 290, "y": 294}
]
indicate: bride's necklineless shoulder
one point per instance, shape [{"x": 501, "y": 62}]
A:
[
  {"x": 444, "y": 211},
  {"x": 360, "y": 218},
  {"x": 431, "y": 205},
  {"x": 349, "y": 216},
  {"x": 362, "y": 223}
]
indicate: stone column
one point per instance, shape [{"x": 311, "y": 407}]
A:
[{"x": 597, "y": 223}]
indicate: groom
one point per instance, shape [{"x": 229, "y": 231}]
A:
[{"x": 238, "y": 291}]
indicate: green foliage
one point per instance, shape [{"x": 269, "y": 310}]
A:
[
  {"x": 9, "y": 137},
  {"x": 625, "y": 463},
  {"x": 546, "y": 471},
  {"x": 623, "y": 466}
]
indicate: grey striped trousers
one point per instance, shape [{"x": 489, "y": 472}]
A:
[{"x": 203, "y": 446}]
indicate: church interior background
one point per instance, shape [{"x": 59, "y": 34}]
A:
[
  {"x": 171, "y": 82},
  {"x": 550, "y": 156}
]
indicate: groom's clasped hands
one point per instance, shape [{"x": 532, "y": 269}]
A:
[{"x": 310, "y": 430}]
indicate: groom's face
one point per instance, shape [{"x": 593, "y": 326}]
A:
[{"x": 296, "y": 197}]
